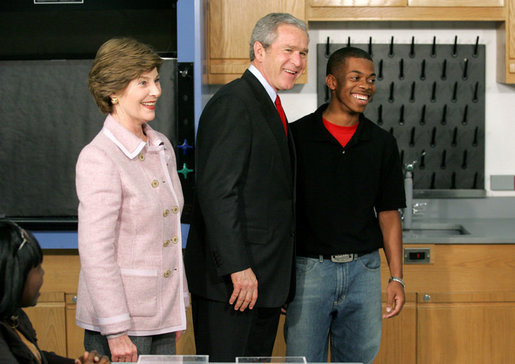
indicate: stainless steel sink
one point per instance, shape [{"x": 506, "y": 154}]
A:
[{"x": 434, "y": 229}]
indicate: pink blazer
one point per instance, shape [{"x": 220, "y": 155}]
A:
[{"x": 130, "y": 201}]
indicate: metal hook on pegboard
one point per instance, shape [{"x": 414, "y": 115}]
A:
[{"x": 423, "y": 100}]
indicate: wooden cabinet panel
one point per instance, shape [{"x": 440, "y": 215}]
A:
[
  {"x": 428, "y": 3},
  {"x": 74, "y": 333},
  {"x": 317, "y": 3},
  {"x": 456, "y": 3},
  {"x": 230, "y": 24},
  {"x": 510, "y": 41},
  {"x": 405, "y": 13},
  {"x": 399, "y": 336},
  {"x": 186, "y": 345},
  {"x": 280, "y": 343},
  {"x": 412, "y": 10},
  {"x": 61, "y": 271},
  {"x": 460, "y": 268},
  {"x": 466, "y": 331},
  {"x": 48, "y": 319},
  {"x": 465, "y": 308},
  {"x": 506, "y": 45}
]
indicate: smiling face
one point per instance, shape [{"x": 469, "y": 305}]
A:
[
  {"x": 32, "y": 286},
  {"x": 137, "y": 102},
  {"x": 352, "y": 85},
  {"x": 282, "y": 63}
]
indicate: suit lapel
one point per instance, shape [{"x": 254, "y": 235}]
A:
[{"x": 272, "y": 118}]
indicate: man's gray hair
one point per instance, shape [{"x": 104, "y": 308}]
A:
[{"x": 265, "y": 30}]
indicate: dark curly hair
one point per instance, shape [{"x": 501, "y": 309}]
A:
[{"x": 339, "y": 57}]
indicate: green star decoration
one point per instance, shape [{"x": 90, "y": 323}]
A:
[{"x": 185, "y": 170}]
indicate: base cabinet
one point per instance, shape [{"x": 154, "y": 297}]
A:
[
  {"x": 455, "y": 328},
  {"x": 460, "y": 308},
  {"x": 464, "y": 306},
  {"x": 49, "y": 320},
  {"x": 399, "y": 336}
]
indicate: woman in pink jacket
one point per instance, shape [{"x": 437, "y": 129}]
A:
[{"x": 132, "y": 291}]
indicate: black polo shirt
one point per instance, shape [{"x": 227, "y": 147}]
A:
[{"x": 340, "y": 190}]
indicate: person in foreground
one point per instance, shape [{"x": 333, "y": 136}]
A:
[
  {"x": 349, "y": 190},
  {"x": 240, "y": 251},
  {"x": 21, "y": 277},
  {"x": 132, "y": 291}
]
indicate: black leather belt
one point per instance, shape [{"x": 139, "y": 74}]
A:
[{"x": 336, "y": 258}]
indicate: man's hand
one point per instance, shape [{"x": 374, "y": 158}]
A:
[
  {"x": 123, "y": 349},
  {"x": 394, "y": 299},
  {"x": 245, "y": 291}
]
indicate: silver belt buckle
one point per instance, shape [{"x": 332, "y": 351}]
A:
[{"x": 342, "y": 258}]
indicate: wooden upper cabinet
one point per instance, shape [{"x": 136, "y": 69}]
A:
[
  {"x": 456, "y": 3},
  {"x": 428, "y": 3},
  {"x": 405, "y": 10},
  {"x": 229, "y": 24},
  {"x": 511, "y": 33},
  {"x": 506, "y": 46},
  {"x": 320, "y": 3}
]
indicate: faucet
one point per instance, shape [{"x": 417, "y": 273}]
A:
[{"x": 407, "y": 216}]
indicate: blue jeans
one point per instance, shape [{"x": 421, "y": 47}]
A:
[{"x": 338, "y": 303}]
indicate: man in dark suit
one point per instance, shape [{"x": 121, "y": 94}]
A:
[{"x": 239, "y": 256}]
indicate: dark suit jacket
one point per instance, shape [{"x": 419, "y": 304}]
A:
[{"x": 244, "y": 210}]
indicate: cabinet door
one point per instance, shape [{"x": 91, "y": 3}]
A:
[
  {"x": 74, "y": 333},
  {"x": 398, "y": 339},
  {"x": 48, "y": 319},
  {"x": 509, "y": 47},
  {"x": 466, "y": 328},
  {"x": 230, "y": 24}
]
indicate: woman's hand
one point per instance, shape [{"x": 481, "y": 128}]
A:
[
  {"x": 122, "y": 349},
  {"x": 92, "y": 358},
  {"x": 178, "y": 335}
]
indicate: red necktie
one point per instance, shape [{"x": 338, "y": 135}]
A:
[{"x": 281, "y": 113}]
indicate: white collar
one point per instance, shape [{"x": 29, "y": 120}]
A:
[
  {"x": 129, "y": 143},
  {"x": 269, "y": 89}
]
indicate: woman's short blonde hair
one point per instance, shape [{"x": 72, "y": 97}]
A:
[{"x": 118, "y": 62}]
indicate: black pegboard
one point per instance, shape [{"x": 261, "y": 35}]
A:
[
  {"x": 185, "y": 142},
  {"x": 431, "y": 97}
]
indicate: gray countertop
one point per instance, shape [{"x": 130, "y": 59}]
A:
[
  {"x": 488, "y": 220},
  {"x": 474, "y": 231}
]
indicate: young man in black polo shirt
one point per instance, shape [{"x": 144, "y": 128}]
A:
[{"x": 349, "y": 190}]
